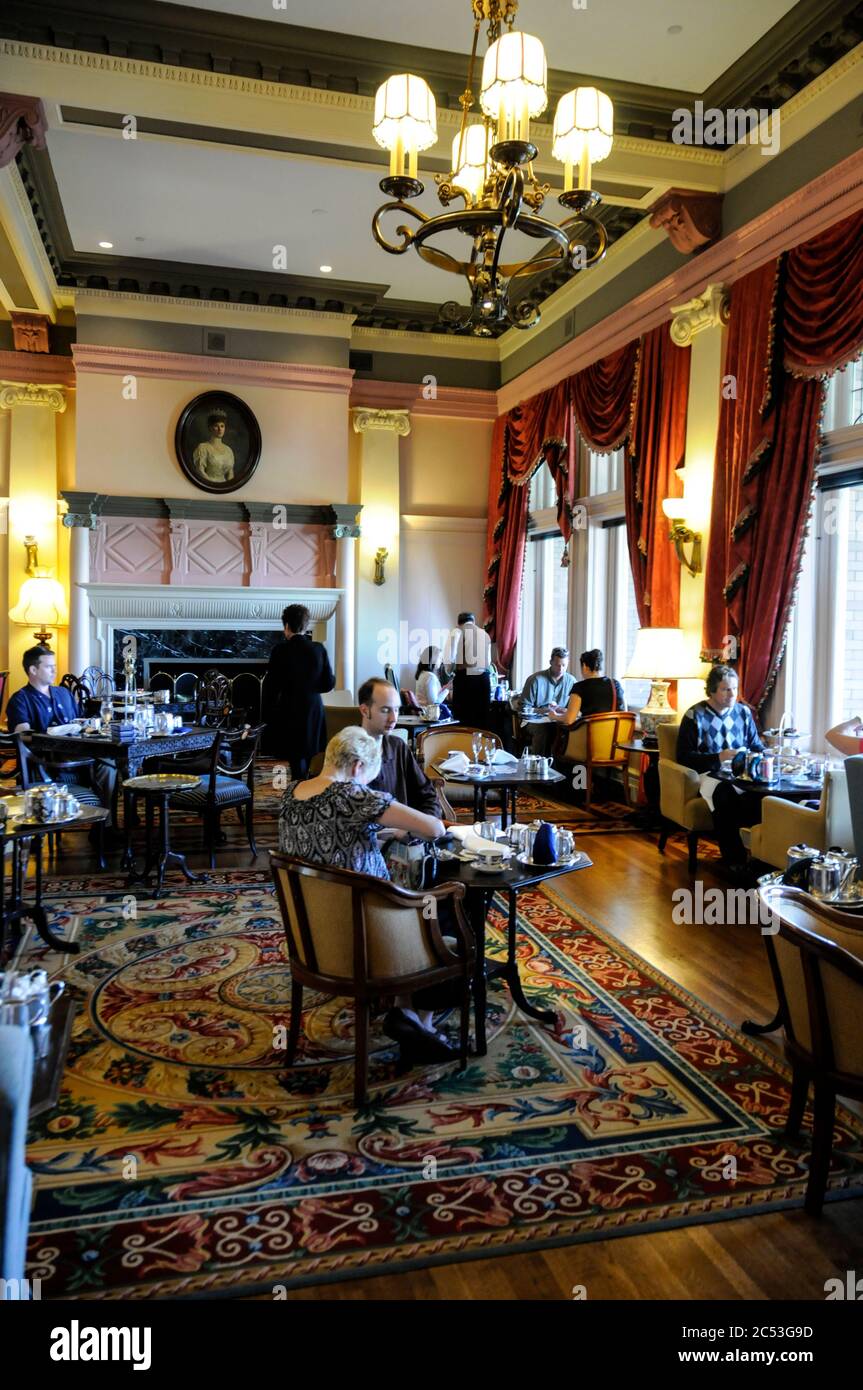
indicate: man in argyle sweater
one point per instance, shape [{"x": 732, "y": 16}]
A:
[{"x": 711, "y": 733}]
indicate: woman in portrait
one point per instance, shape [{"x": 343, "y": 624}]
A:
[{"x": 214, "y": 459}]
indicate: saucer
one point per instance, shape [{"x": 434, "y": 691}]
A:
[{"x": 483, "y": 868}]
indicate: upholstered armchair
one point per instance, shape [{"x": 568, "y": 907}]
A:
[
  {"x": 433, "y": 746},
  {"x": 16, "y": 1182},
  {"x": 362, "y": 937},
  {"x": 680, "y": 801},
  {"x": 594, "y": 743},
  {"x": 785, "y": 823},
  {"x": 816, "y": 958}
]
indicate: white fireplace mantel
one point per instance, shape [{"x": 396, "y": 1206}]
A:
[
  {"x": 204, "y": 605},
  {"x": 115, "y": 607}
]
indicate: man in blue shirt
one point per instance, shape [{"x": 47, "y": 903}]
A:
[
  {"x": 40, "y": 704},
  {"x": 711, "y": 734},
  {"x": 553, "y": 686}
]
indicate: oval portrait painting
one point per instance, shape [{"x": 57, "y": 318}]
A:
[{"x": 218, "y": 442}]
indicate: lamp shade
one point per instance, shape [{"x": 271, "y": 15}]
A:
[
  {"x": 514, "y": 77},
  {"x": 584, "y": 119},
  {"x": 470, "y": 159},
  {"x": 42, "y": 603},
  {"x": 674, "y": 508},
  {"x": 405, "y": 113},
  {"x": 660, "y": 654}
]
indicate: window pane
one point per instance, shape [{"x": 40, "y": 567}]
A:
[
  {"x": 845, "y": 398},
  {"x": 557, "y": 592},
  {"x": 605, "y": 472},
  {"x": 848, "y": 616}
]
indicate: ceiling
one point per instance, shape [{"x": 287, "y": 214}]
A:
[
  {"x": 255, "y": 130},
  {"x": 625, "y": 39}
]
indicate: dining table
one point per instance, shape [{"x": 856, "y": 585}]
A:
[
  {"x": 27, "y": 837},
  {"x": 415, "y": 724},
  {"x": 480, "y": 887},
  {"x": 510, "y": 778},
  {"x": 128, "y": 755}
]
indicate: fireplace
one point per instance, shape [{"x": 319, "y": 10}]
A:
[{"x": 188, "y": 629}]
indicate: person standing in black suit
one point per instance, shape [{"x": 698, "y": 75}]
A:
[{"x": 298, "y": 674}]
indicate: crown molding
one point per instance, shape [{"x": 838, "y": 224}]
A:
[
  {"x": 291, "y": 376},
  {"x": 39, "y": 368},
  {"x": 28, "y": 249},
  {"x": 212, "y": 313},
  {"x": 448, "y": 402},
  {"x": 417, "y": 344},
  {"x": 805, "y": 213}
]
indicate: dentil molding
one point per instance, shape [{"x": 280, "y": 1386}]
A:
[
  {"x": 708, "y": 310},
  {"x": 31, "y": 393},
  {"x": 397, "y": 421}
]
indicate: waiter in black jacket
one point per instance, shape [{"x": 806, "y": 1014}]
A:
[{"x": 298, "y": 674}]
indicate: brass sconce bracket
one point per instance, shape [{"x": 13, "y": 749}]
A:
[
  {"x": 32, "y": 550},
  {"x": 680, "y": 535},
  {"x": 380, "y": 562}
]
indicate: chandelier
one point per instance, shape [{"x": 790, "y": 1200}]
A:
[{"x": 492, "y": 173}]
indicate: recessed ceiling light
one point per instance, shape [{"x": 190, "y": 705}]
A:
[
  {"x": 319, "y": 212},
  {"x": 106, "y": 245},
  {"x": 675, "y": 29},
  {"x": 140, "y": 238},
  {"x": 325, "y": 269}
]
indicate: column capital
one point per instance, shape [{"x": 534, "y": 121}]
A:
[
  {"x": 22, "y": 122},
  {"x": 32, "y": 393},
  {"x": 85, "y": 521},
  {"x": 398, "y": 421},
  {"x": 345, "y": 532},
  {"x": 709, "y": 310}
]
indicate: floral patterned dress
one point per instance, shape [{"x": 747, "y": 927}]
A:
[{"x": 336, "y": 827}]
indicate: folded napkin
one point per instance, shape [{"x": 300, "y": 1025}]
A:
[
  {"x": 504, "y": 759},
  {"x": 58, "y": 730},
  {"x": 455, "y": 762},
  {"x": 473, "y": 842}
]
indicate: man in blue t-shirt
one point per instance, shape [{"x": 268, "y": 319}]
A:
[{"x": 40, "y": 704}]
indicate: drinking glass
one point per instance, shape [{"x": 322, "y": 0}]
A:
[
  {"x": 486, "y": 752},
  {"x": 476, "y": 745}
]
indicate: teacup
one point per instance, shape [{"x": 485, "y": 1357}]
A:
[{"x": 491, "y": 856}]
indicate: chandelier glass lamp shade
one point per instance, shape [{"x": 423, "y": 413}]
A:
[{"x": 492, "y": 174}]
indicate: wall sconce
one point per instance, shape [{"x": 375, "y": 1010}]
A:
[
  {"x": 32, "y": 550},
  {"x": 380, "y": 562},
  {"x": 680, "y": 534},
  {"x": 41, "y": 606}
]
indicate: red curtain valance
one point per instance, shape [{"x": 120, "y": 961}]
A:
[
  {"x": 602, "y": 398},
  {"x": 822, "y": 311}
]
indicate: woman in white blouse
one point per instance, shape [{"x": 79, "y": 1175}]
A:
[{"x": 429, "y": 689}]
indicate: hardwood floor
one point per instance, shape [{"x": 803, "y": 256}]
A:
[{"x": 778, "y": 1255}]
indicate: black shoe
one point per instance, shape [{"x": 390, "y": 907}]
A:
[{"x": 415, "y": 1041}]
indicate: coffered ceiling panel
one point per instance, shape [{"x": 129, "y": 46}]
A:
[{"x": 626, "y": 39}]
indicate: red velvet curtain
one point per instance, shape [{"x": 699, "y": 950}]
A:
[
  {"x": 602, "y": 398},
  {"x": 741, "y": 448},
  {"x": 767, "y": 448},
  {"x": 784, "y": 500},
  {"x": 822, "y": 311},
  {"x": 531, "y": 432},
  {"x": 657, "y": 447}
]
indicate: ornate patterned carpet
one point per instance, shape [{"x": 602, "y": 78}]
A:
[{"x": 183, "y": 1160}]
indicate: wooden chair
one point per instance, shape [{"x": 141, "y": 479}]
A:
[
  {"x": 213, "y": 700},
  {"x": 434, "y": 744},
  {"x": 98, "y": 682},
  {"x": 816, "y": 959},
  {"x": 362, "y": 937},
  {"x": 12, "y": 746},
  {"x": 228, "y": 783},
  {"x": 80, "y": 692},
  {"x": 595, "y": 741}
]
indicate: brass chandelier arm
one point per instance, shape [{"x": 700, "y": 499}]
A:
[{"x": 409, "y": 237}]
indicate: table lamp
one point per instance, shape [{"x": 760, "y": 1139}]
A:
[
  {"x": 660, "y": 656},
  {"x": 41, "y": 605}
]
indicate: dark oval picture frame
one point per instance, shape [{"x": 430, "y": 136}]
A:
[{"x": 217, "y": 442}]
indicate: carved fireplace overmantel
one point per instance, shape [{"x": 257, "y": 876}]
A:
[{"x": 85, "y": 508}]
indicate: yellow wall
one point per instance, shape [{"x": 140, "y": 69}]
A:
[
  {"x": 126, "y": 447},
  {"x": 444, "y": 467}
]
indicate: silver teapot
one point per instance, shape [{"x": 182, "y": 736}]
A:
[
  {"x": 848, "y": 867},
  {"x": 825, "y": 878}
]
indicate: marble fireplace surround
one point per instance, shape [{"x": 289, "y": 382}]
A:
[{"x": 162, "y": 616}]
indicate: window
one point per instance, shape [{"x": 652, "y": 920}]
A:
[
  {"x": 544, "y": 615},
  {"x": 844, "y": 407}
]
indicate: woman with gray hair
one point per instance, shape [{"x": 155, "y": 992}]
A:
[{"x": 333, "y": 819}]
